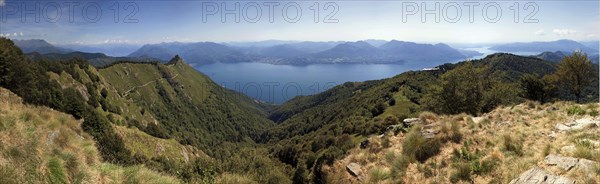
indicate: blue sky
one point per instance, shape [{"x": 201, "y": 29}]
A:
[{"x": 190, "y": 21}]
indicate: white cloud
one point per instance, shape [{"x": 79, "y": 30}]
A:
[
  {"x": 564, "y": 32},
  {"x": 540, "y": 32},
  {"x": 2, "y": 2},
  {"x": 592, "y": 35}
]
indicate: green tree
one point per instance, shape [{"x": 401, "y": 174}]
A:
[
  {"x": 575, "y": 73},
  {"x": 470, "y": 89},
  {"x": 9, "y": 55},
  {"x": 300, "y": 174},
  {"x": 460, "y": 90},
  {"x": 537, "y": 88}
]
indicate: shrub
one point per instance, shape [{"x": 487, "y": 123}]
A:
[
  {"x": 227, "y": 178},
  {"x": 57, "y": 172},
  {"x": 104, "y": 93},
  {"x": 399, "y": 166},
  {"x": 391, "y": 120},
  {"x": 575, "y": 110},
  {"x": 547, "y": 150},
  {"x": 277, "y": 178},
  {"x": 299, "y": 176},
  {"x": 593, "y": 112},
  {"x": 377, "y": 174},
  {"x": 428, "y": 116},
  {"x": 385, "y": 142},
  {"x": 511, "y": 145},
  {"x": 392, "y": 102},
  {"x": 485, "y": 166},
  {"x": 462, "y": 172},
  {"x": 378, "y": 109},
  {"x": 417, "y": 147},
  {"x": 451, "y": 131},
  {"x": 389, "y": 156},
  {"x": 585, "y": 149}
]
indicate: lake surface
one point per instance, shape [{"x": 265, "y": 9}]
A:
[{"x": 280, "y": 83}]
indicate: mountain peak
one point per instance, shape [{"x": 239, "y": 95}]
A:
[{"x": 175, "y": 60}]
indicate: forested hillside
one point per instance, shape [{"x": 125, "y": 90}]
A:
[
  {"x": 316, "y": 130},
  {"x": 177, "y": 121},
  {"x": 150, "y": 102}
]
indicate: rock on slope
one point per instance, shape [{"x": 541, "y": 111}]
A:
[{"x": 518, "y": 144}]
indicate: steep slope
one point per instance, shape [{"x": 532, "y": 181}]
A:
[
  {"x": 212, "y": 114},
  {"x": 165, "y": 116},
  {"x": 362, "y": 97},
  {"x": 495, "y": 147},
  {"x": 40, "y": 145},
  {"x": 315, "y": 130}
]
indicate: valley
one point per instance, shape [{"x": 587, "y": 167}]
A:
[
  {"x": 299, "y": 92},
  {"x": 176, "y": 121}
]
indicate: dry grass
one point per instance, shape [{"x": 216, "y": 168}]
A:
[
  {"x": 500, "y": 145},
  {"x": 40, "y": 145}
]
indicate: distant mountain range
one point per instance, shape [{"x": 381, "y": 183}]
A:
[
  {"x": 197, "y": 53},
  {"x": 559, "y": 45},
  {"x": 297, "y": 52},
  {"x": 303, "y": 53},
  {"x": 110, "y": 49},
  {"x": 39, "y": 46}
]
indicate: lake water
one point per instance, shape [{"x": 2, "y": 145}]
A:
[{"x": 279, "y": 83}]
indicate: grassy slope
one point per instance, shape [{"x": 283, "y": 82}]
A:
[
  {"x": 529, "y": 125},
  {"x": 40, "y": 145},
  {"x": 178, "y": 96},
  {"x": 141, "y": 143}
]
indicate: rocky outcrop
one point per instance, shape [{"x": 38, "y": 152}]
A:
[
  {"x": 566, "y": 163},
  {"x": 577, "y": 124},
  {"x": 355, "y": 170},
  {"x": 411, "y": 121},
  {"x": 537, "y": 175}
]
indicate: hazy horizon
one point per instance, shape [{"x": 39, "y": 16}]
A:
[{"x": 147, "y": 22}]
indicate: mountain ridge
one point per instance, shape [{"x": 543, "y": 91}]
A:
[{"x": 563, "y": 45}]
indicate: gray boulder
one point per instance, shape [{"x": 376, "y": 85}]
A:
[
  {"x": 567, "y": 163},
  {"x": 577, "y": 124},
  {"x": 537, "y": 175},
  {"x": 355, "y": 170}
]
